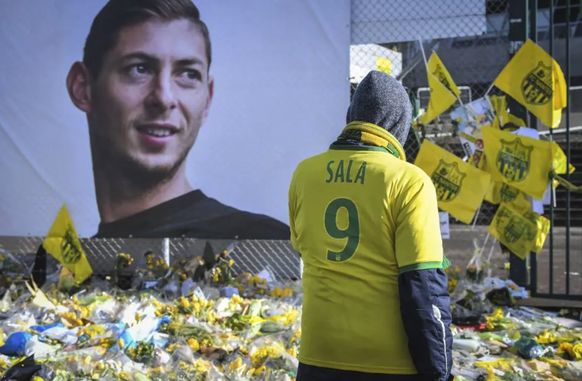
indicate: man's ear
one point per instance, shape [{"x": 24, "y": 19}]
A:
[
  {"x": 79, "y": 86},
  {"x": 210, "y": 95}
]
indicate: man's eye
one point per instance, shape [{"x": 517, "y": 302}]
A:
[
  {"x": 137, "y": 70},
  {"x": 192, "y": 74},
  {"x": 141, "y": 69}
]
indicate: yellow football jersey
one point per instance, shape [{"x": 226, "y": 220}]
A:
[{"x": 360, "y": 216}]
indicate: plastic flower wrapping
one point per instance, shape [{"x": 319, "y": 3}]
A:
[
  {"x": 165, "y": 326},
  {"x": 199, "y": 320}
]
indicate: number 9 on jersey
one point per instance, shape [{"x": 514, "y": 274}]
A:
[{"x": 351, "y": 233}]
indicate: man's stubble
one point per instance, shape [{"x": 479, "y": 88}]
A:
[{"x": 109, "y": 162}]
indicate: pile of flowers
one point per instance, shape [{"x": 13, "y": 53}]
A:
[{"x": 221, "y": 327}]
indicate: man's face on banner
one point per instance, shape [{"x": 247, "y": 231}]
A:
[{"x": 152, "y": 95}]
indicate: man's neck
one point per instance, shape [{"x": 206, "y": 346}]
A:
[{"x": 118, "y": 198}]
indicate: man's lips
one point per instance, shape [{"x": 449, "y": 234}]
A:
[
  {"x": 157, "y": 135},
  {"x": 158, "y": 130}
]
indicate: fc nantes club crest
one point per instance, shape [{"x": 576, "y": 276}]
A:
[
  {"x": 508, "y": 193},
  {"x": 513, "y": 160},
  {"x": 536, "y": 87},
  {"x": 440, "y": 75},
  {"x": 514, "y": 230},
  {"x": 70, "y": 247},
  {"x": 447, "y": 179}
]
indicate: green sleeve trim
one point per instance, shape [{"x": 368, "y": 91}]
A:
[{"x": 420, "y": 266}]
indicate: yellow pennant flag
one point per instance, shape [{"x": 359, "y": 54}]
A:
[
  {"x": 440, "y": 72},
  {"x": 542, "y": 229},
  {"x": 442, "y": 89},
  {"x": 513, "y": 230},
  {"x": 560, "y": 160},
  {"x": 522, "y": 162},
  {"x": 534, "y": 79},
  {"x": 499, "y": 104},
  {"x": 502, "y": 116},
  {"x": 500, "y": 192},
  {"x": 460, "y": 187},
  {"x": 62, "y": 242},
  {"x": 384, "y": 64}
]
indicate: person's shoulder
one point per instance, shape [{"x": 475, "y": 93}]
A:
[
  {"x": 404, "y": 173},
  {"x": 308, "y": 162}
]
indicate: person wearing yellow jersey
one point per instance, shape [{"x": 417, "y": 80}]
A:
[{"x": 366, "y": 224}]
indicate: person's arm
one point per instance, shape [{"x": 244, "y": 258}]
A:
[
  {"x": 422, "y": 282},
  {"x": 292, "y": 211}
]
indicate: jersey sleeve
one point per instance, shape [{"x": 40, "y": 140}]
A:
[
  {"x": 292, "y": 201},
  {"x": 418, "y": 243}
]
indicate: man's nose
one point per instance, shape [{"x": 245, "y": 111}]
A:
[{"x": 162, "y": 94}]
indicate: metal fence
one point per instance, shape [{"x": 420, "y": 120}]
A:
[
  {"x": 556, "y": 273},
  {"x": 253, "y": 256},
  {"x": 475, "y": 39},
  {"x": 470, "y": 37}
]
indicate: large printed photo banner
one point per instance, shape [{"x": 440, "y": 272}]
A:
[{"x": 162, "y": 118}]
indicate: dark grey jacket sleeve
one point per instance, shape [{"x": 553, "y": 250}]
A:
[{"x": 426, "y": 314}]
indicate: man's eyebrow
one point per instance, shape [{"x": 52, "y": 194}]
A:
[
  {"x": 140, "y": 55},
  {"x": 187, "y": 61}
]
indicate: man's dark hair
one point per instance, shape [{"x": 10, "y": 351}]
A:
[{"x": 119, "y": 14}]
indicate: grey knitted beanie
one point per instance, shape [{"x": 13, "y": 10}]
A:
[{"x": 381, "y": 100}]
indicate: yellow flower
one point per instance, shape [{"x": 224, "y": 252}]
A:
[
  {"x": 292, "y": 352},
  {"x": 262, "y": 353},
  {"x": 259, "y": 370},
  {"x": 231, "y": 263},
  {"x": 193, "y": 344},
  {"x": 184, "y": 302},
  {"x": 172, "y": 347},
  {"x": 235, "y": 365}
]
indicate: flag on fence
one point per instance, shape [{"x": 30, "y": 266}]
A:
[
  {"x": 560, "y": 160},
  {"x": 534, "y": 79},
  {"x": 522, "y": 162},
  {"x": 542, "y": 229},
  {"x": 384, "y": 64},
  {"x": 442, "y": 89},
  {"x": 500, "y": 192},
  {"x": 62, "y": 242},
  {"x": 514, "y": 230},
  {"x": 438, "y": 69},
  {"x": 460, "y": 187},
  {"x": 502, "y": 116}
]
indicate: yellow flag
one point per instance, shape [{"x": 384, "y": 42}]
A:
[
  {"x": 560, "y": 160},
  {"x": 441, "y": 87},
  {"x": 513, "y": 230},
  {"x": 534, "y": 79},
  {"x": 439, "y": 71},
  {"x": 460, "y": 187},
  {"x": 499, "y": 104},
  {"x": 499, "y": 192},
  {"x": 502, "y": 116},
  {"x": 62, "y": 242},
  {"x": 384, "y": 64},
  {"x": 542, "y": 229},
  {"x": 522, "y": 162}
]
